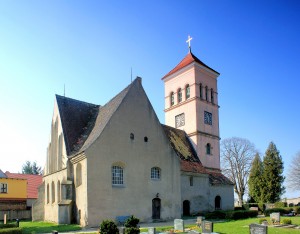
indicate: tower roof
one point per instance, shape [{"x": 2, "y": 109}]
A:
[{"x": 188, "y": 59}]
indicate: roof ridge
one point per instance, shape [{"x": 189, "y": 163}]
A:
[
  {"x": 187, "y": 60},
  {"x": 104, "y": 116},
  {"x": 75, "y": 100}
]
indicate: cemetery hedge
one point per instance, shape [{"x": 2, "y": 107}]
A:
[
  {"x": 282, "y": 211},
  {"x": 232, "y": 215},
  {"x": 14, "y": 230},
  {"x": 8, "y": 225}
]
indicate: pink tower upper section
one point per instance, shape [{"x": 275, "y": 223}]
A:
[{"x": 191, "y": 104}]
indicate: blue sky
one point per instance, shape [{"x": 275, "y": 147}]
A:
[{"x": 90, "y": 47}]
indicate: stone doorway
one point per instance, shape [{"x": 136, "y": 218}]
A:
[
  {"x": 156, "y": 204},
  {"x": 218, "y": 203},
  {"x": 186, "y": 208}
]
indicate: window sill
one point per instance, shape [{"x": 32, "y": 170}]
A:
[{"x": 118, "y": 186}]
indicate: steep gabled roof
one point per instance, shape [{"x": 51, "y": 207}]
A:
[
  {"x": 2, "y": 174},
  {"x": 104, "y": 115},
  {"x": 77, "y": 119},
  {"x": 181, "y": 144},
  {"x": 188, "y": 59},
  {"x": 33, "y": 182}
]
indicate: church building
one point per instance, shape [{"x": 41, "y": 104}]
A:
[{"x": 114, "y": 160}]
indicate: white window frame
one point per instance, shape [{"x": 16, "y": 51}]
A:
[
  {"x": 117, "y": 176},
  {"x": 155, "y": 173}
]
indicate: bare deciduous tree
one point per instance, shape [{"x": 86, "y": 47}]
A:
[
  {"x": 237, "y": 155},
  {"x": 293, "y": 177}
]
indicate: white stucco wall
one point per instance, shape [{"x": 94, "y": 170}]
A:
[{"x": 105, "y": 201}]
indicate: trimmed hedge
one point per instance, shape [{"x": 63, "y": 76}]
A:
[
  {"x": 280, "y": 210},
  {"x": 235, "y": 215},
  {"x": 215, "y": 215},
  {"x": 241, "y": 214},
  {"x": 8, "y": 225},
  {"x": 15, "y": 230},
  {"x": 297, "y": 209}
]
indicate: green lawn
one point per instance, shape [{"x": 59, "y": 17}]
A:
[
  {"x": 228, "y": 227},
  {"x": 240, "y": 227},
  {"x": 43, "y": 227}
]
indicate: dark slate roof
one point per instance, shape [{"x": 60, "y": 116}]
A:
[
  {"x": 2, "y": 174},
  {"x": 105, "y": 113},
  {"x": 77, "y": 119},
  {"x": 181, "y": 144},
  {"x": 188, "y": 59},
  {"x": 217, "y": 178}
]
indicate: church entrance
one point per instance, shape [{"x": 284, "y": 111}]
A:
[
  {"x": 218, "y": 203},
  {"x": 186, "y": 208},
  {"x": 156, "y": 208}
]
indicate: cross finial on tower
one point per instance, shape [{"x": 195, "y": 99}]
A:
[{"x": 189, "y": 41}]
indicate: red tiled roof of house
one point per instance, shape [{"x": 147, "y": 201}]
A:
[
  {"x": 188, "y": 59},
  {"x": 33, "y": 182}
]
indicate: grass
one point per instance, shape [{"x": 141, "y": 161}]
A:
[
  {"x": 44, "y": 227},
  {"x": 238, "y": 227}
]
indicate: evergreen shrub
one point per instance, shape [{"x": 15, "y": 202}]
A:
[
  {"x": 14, "y": 230},
  {"x": 261, "y": 220},
  {"x": 131, "y": 225},
  {"x": 108, "y": 227},
  {"x": 287, "y": 221}
]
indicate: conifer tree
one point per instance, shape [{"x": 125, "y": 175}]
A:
[
  {"x": 255, "y": 182},
  {"x": 273, "y": 175}
]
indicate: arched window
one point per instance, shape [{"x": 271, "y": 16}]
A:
[
  {"x": 117, "y": 175},
  {"x": 78, "y": 175},
  {"x": 58, "y": 192},
  {"x": 187, "y": 92},
  {"x": 218, "y": 203},
  {"x": 53, "y": 191},
  {"x": 201, "y": 91},
  {"x": 155, "y": 173},
  {"x": 172, "y": 99},
  {"x": 212, "y": 95},
  {"x": 208, "y": 148},
  {"x": 206, "y": 93},
  {"x": 179, "y": 95},
  {"x": 48, "y": 198}
]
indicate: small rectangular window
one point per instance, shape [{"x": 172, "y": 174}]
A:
[
  {"x": 3, "y": 188},
  {"x": 191, "y": 181},
  {"x": 179, "y": 120},
  {"x": 117, "y": 175}
]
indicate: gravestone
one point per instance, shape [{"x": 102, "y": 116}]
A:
[
  {"x": 121, "y": 230},
  {"x": 178, "y": 225},
  {"x": 4, "y": 219},
  {"x": 151, "y": 230},
  {"x": 199, "y": 220},
  {"x": 258, "y": 229},
  {"x": 275, "y": 217},
  {"x": 207, "y": 226},
  {"x": 193, "y": 232}
]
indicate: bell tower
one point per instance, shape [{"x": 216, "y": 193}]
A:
[{"x": 191, "y": 104}]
